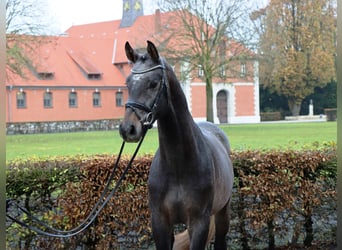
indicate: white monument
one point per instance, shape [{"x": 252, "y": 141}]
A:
[{"x": 311, "y": 113}]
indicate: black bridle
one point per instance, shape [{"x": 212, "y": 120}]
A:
[{"x": 148, "y": 120}]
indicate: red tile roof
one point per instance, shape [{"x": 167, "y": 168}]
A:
[
  {"x": 93, "y": 48},
  {"x": 70, "y": 59}
]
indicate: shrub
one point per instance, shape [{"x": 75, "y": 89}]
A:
[
  {"x": 35, "y": 183},
  {"x": 274, "y": 192},
  {"x": 331, "y": 114},
  {"x": 293, "y": 181},
  {"x": 271, "y": 116}
]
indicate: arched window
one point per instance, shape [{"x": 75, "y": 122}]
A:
[
  {"x": 96, "y": 99},
  {"x": 72, "y": 99},
  {"x": 47, "y": 100},
  {"x": 21, "y": 99},
  {"x": 119, "y": 99},
  {"x": 222, "y": 71},
  {"x": 200, "y": 71},
  {"x": 243, "y": 70}
]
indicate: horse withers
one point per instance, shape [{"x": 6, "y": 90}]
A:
[{"x": 191, "y": 176}]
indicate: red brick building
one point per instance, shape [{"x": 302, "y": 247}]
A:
[{"x": 80, "y": 76}]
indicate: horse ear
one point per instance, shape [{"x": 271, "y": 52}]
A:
[
  {"x": 130, "y": 53},
  {"x": 152, "y": 51}
]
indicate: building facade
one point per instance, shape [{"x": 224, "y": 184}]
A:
[{"x": 80, "y": 76}]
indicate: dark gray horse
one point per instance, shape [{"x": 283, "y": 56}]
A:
[{"x": 191, "y": 176}]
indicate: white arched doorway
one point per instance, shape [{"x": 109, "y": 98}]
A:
[{"x": 222, "y": 106}]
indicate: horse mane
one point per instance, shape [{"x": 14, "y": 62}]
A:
[{"x": 175, "y": 92}]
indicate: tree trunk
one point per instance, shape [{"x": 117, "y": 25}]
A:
[
  {"x": 308, "y": 225},
  {"x": 309, "y": 231},
  {"x": 242, "y": 218},
  {"x": 270, "y": 227},
  {"x": 294, "y": 106},
  {"x": 209, "y": 91}
]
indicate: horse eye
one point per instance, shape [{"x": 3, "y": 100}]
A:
[{"x": 153, "y": 84}]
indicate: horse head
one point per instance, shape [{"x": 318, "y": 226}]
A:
[{"x": 146, "y": 92}]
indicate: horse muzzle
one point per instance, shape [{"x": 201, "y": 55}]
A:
[{"x": 131, "y": 129}]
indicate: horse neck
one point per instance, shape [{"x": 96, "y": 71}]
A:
[{"x": 179, "y": 136}]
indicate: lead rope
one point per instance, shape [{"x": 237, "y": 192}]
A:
[{"x": 95, "y": 211}]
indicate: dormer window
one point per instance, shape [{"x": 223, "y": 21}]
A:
[
  {"x": 94, "y": 76},
  {"x": 45, "y": 75},
  {"x": 87, "y": 67}
]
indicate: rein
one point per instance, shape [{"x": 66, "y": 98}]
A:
[{"x": 101, "y": 203}]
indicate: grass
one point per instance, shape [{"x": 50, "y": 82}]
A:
[
  {"x": 281, "y": 135},
  {"x": 263, "y": 136}
]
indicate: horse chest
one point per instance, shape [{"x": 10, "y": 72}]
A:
[
  {"x": 182, "y": 199},
  {"x": 180, "y": 191},
  {"x": 177, "y": 201},
  {"x": 175, "y": 196}
]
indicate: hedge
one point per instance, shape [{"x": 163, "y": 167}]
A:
[
  {"x": 280, "y": 198},
  {"x": 331, "y": 114},
  {"x": 271, "y": 116}
]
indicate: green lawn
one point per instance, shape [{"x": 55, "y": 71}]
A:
[
  {"x": 281, "y": 135},
  {"x": 242, "y": 137}
]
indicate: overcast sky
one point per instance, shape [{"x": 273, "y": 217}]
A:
[
  {"x": 62, "y": 14},
  {"x": 66, "y": 13}
]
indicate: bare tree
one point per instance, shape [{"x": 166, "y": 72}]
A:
[
  {"x": 26, "y": 17},
  {"x": 208, "y": 34},
  {"x": 25, "y": 25}
]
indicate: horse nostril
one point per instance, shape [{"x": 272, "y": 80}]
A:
[
  {"x": 132, "y": 130},
  {"x": 129, "y": 132}
]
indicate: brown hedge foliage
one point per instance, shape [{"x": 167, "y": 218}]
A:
[
  {"x": 279, "y": 179},
  {"x": 266, "y": 184},
  {"x": 276, "y": 181},
  {"x": 125, "y": 214}
]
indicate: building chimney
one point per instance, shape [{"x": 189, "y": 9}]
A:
[
  {"x": 157, "y": 21},
  {"x": 131, "y": 10}
]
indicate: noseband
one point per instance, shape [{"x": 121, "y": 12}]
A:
[{"x": 149, "y": 118}]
